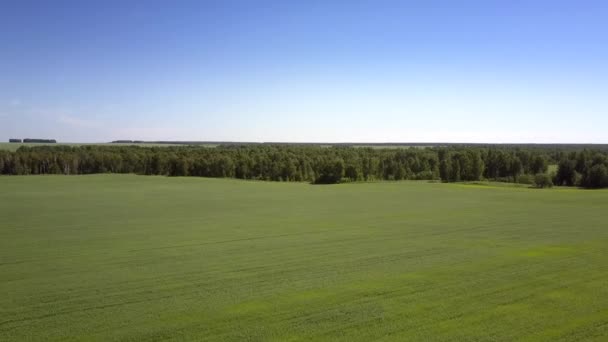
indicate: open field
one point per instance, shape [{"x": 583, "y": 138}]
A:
[
  {"x": 108, "y": 257},
  {"x": 15, "y": 146}
]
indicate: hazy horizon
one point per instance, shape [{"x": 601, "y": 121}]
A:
[
  {"x": 358, "y": 143},
  {"x": 326, "y": 72}
]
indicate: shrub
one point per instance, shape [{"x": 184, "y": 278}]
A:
[
  {"x": 425, "y": 175},
  {"x": 525, "y": 179},
  {"x": 543, "y": 180}
]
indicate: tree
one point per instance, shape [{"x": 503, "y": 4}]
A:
[
  {"x": 598, "y": 176},
  {"x": 476, "y": 165},
  {"x": 539, "y": 165},
  {"x": 445, "y": 169},
  {"x": 2, "y": 157},
  {"x": 331, "y": 172},
  {"x": 352, "y": 172},
  {"x": 178, "y": 166},
  {"x": 565, "y": 173}
]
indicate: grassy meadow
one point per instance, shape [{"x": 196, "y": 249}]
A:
[
  {"x": 124, "y": 257},
  {"x": 14, "y": 146}
]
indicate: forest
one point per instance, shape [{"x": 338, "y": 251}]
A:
[
  {"x": 321, "y": 165},
  {"x": 29, "y": 140}
]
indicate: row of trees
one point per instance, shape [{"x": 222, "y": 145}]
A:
[
  {"x": 584, "y": 168},
  {"x": 284, "y": 162},
  {"x": 29, "y": 140}
]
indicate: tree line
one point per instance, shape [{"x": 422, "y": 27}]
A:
[
  {"x": 29, "y": 140},
  {"x": 585, "y": 168},
  {"x": 314, "y": 163}
]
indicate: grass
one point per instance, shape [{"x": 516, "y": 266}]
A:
[{"x": 122, "y": 257}]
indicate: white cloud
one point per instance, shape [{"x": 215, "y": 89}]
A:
[
  {"x": 155, "y": 133},
  {"x": 77, "y": 122}
]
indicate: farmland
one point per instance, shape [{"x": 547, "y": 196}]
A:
[
  {"x": 108, "y": 257},
  {"x": 14, "y": 146}
]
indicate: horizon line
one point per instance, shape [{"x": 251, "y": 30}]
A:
[{"x": 137, "y": 141}]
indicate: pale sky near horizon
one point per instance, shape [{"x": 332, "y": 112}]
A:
[{"x": 305, "y": 71}]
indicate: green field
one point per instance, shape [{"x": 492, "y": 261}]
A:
[
  {"x": 123, "y": 257},
  {"x": 15, "y": 146}
]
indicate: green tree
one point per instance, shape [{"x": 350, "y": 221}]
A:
[{"x": 598, "y": 176}]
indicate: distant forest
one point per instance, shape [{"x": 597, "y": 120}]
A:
[
  {"x": 576, "y": 165},
  {"x": 28, "y": 140}
]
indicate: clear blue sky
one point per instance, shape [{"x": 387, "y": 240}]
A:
[{"x": 374, "y": 71}]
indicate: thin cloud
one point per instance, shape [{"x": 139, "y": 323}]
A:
[
  {"x": 76, "y": 122},
  {"x": 153, "y": 133}
]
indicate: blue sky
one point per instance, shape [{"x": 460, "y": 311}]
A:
[{"x": 373, "y": 71}]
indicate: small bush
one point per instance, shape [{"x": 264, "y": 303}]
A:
[
  {"x": 525, "y": 179},
  {"x": 425, "y": 175},
  {"x": 578, "y": 178},
  {"x": 543, "y": 180}
]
